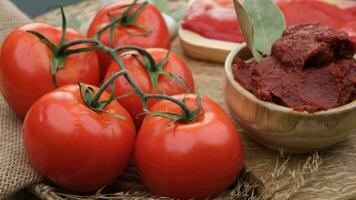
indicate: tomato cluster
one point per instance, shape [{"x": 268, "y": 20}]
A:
[{"x": 82, "y": 136}]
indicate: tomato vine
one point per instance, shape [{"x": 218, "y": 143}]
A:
[{"x": 90, "y": 97}]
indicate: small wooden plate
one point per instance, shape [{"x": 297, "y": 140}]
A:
[{"x": 202, "y": 48}]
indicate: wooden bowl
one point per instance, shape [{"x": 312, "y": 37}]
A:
[{"x": 278, "y": 127}]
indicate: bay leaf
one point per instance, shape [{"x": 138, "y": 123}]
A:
[
  {"x": 178, "y": 14},
  {"x": 161, "y": 5},
  {"x": 246, "y": 29},
  {"x": 267, "y": 21}
]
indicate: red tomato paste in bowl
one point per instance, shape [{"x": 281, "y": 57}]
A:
[
  {"x": 216, "y": 19},
  {"x": 311, "y": 69}
]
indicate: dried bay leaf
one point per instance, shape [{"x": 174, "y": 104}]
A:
[
  {"x": 162, "y": 5},
  {"x": 246, "y": 29},
  {"x": 267, "y": 21}
]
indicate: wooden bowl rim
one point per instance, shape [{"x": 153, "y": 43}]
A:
[{"x": 273, "y": 106}]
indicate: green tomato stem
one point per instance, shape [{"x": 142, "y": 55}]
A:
[
  {"x": 68, "y": 44},
  {"x": 186, "y": 112},
  {"x": 187, "y": 115},
  {"x": 143, "y": 52},
  {"x": 138, "y": 91},
  {"x": 64, "y": 26},
  {"x": 103, "y": 87}
]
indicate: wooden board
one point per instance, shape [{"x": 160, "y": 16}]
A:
[{"x": 202, "y": 48}]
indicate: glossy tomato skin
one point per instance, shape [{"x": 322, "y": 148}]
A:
[
  {"x": 25, "y": 66},
  {"x": 150, "y": 17},
  {"x": 73, "y": 146},
  {"x": 175, "y": 65},
  {"x": 185, "y": 161}
]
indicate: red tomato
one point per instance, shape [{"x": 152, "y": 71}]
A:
[
  {"x": 193, "y": 160},
  {"x": 150, "y": 17},
  {"x": 75, "y": 147},
  {"x": 175, "y": 65},
  {"x": 25, "y": 73}
]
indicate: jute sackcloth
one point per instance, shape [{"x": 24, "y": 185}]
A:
[{"x": 15, "y": 172}]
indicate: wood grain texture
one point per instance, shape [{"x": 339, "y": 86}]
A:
[
  {"x": 336, "y": 178},
  {"x": 202, "y": 48}
]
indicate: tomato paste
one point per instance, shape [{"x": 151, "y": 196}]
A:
[
  {"x": 311, "y": 69},
  {"x": 216, "y": 19}
]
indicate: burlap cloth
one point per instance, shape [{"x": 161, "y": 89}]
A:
[
  {"x": 15, "y": 171},
  {"x": 328, "y": 175}
]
